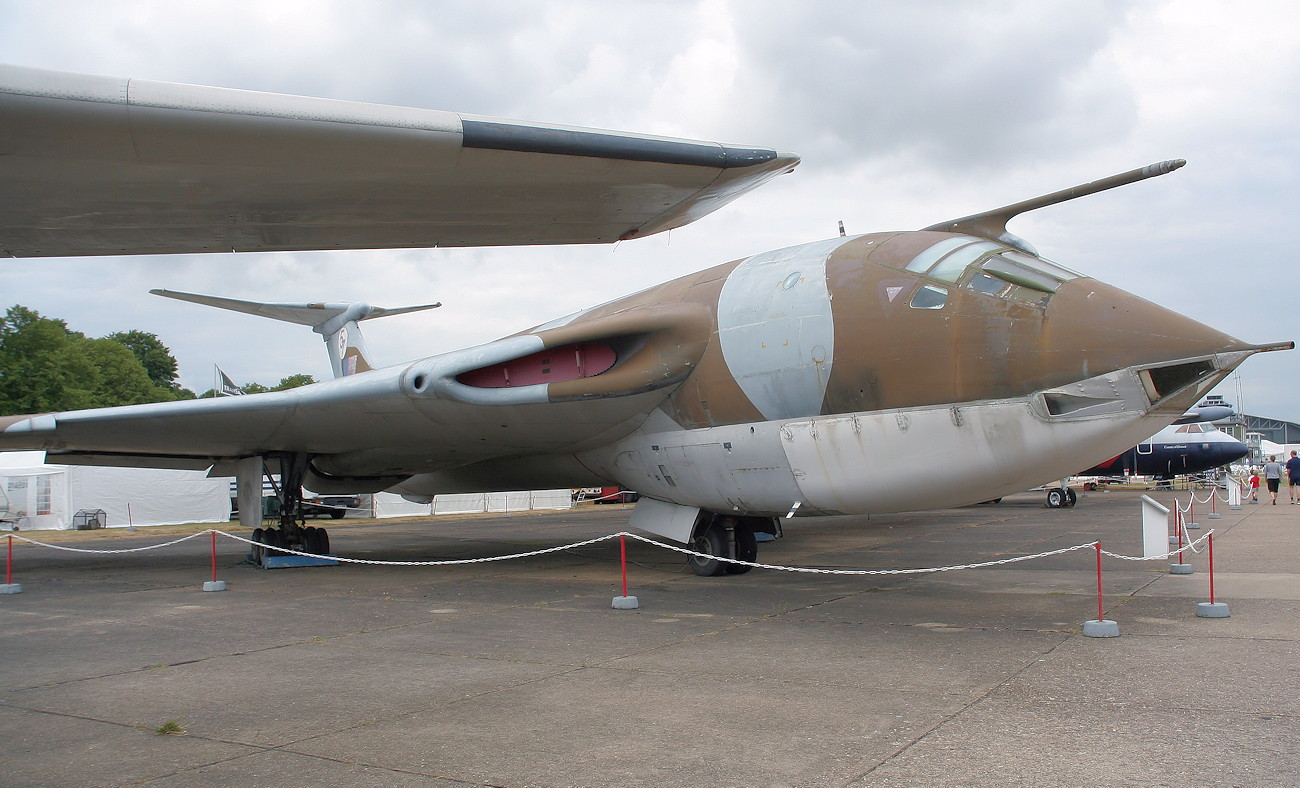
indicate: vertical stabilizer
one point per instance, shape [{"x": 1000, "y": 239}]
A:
[{"x": 335, "y": 322}]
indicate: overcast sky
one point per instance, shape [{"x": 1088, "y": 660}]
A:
[{"x": 905, "y": 113}]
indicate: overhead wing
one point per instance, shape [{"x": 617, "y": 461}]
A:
[{"x": 97, "y": 166}]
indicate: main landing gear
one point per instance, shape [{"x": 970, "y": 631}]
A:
[
  {"x": 292, "y": 534},
  {"x": 1061, "y": 497},
  {"x": 727, "y": 536}
]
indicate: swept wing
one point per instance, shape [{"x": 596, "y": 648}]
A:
[{"x": 98, "y": 166}]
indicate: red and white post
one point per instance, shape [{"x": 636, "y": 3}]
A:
[
  {"x": 1213, "y": 608},
  {"x": 214, "y": 584},
  {"x": 1100, "y": 627},
  {"x": 9, "y": 586},
  {"x": 624, "y": 602}
]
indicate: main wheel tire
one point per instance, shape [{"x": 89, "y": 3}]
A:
[
  {"x": 322, "y": 542},
  {"x": 746, "y": 549},
  {"x": 256, "y": 551},
  {"x": 711, "y": 540},
  {"x": 1055, "y": 498},
  {"x": 273, "y": 539},
  {"x": 1071, "y": 498}
]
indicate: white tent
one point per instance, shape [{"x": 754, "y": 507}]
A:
[{"x": 45, "y": 496}]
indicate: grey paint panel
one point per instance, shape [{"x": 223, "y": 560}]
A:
[{"x": 776, "y": 330}]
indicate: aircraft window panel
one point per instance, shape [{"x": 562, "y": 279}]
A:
[
  {"x": 1022, "y": 275},
  {"x": 1184, "y": 428},
  {"x": 922, "y": 262},
  {"x": 951, "y": 267},
  {"x": 930, "y": 297},
  {"x": 983, "y": 283},
  {"x": 1042, "y": 264}
]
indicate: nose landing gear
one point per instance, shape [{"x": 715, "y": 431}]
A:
[{"x": 726, "y": 537}]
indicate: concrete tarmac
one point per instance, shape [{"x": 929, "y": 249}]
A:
[{"x": 520, "y": 673}]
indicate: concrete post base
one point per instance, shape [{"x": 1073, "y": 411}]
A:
[
  {"x": 1105, "y": 628},
  {"x": 626, "y": 603},
  {"x": 1212, "y": 610},
  {"x": 1180, "y": 569},
  {"x": 11, "y": 588},
  {"x": 214, "y": 585}
]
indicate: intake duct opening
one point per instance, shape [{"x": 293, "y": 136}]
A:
[{"x": 1160, "y": 382}]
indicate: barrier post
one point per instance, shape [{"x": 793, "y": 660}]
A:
[
  {"x": 1214, "y": 502},
  {"x": 624, "y": 602},
  {"x": 1182, "y": 567},
  {"x": 1190, "y": 522},
  {"x": 10, "y": 587},
  {"x": 1100, "y": 627},
  {"x": 1211, "y": 609},
  {"x": 214, "y": 584}
]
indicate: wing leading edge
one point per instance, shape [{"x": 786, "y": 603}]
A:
[{"x": 97, "y": 165}]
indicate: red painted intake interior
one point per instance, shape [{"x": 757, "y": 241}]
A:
[{"x": 569, "y": 362}]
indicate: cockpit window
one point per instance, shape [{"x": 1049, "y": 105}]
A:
[
  {"x": 1042, "y": 264},
  {"x": 988, "y": 267},
  {"x": 930, "y": 297}
]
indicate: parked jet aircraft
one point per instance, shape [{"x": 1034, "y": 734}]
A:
[
  {"x": 1190, "y": 445},
  {"x": 816, "y": 379}
]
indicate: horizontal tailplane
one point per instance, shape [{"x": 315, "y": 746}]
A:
[{"x": 335, "y": 322}]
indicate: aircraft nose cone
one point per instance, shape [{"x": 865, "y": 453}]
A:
[{"x": 1105, "y": 328}]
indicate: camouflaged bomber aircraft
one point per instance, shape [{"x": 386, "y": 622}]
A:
[{"x": 814, "y": 380}]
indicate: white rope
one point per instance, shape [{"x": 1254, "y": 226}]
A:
[
  {"x": 638, "y": 537},
  {"x": 856, "y": 571},
  {"x": 109, "y": 552},
  {"x": 449, "y": 562},
  {"x": 1190, "y": 545}
]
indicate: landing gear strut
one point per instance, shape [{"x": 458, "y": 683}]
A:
[
  {"x": 292, "y": 534},
  {"x": 725, "y": 537}
]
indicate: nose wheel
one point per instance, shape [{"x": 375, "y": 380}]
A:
[{"x": 723, "y": 537}]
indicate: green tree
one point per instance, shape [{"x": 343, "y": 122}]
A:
[
  {"x": 45, "y": 366},
  {"x": 40, "y": 368},
  {"x": 120, "y": 379},
  {"x": 293, "y": 382},
  {"x": 153, "y": 355}
]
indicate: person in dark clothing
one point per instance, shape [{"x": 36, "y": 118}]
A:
[{"x": 1293, "y": 477}]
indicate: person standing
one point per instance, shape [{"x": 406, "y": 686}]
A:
[
  {"x": 1273, "y": 476},
  {"x": 1293, "y": 477}
]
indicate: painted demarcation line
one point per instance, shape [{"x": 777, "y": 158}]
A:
[{"x": 1098, "y": 627}]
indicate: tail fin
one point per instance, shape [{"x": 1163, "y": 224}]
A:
[{"x": 335, "y": 322}]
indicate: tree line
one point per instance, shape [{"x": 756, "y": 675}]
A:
[{"x": 46, "y": 366}]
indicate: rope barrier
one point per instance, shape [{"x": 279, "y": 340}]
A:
[
  {"x": 1169, "y": 554},
  {"x": 110, "y": 552},
  {"x": 625, "y": 534}
]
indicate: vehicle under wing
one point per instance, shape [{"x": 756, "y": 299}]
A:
[{"x": 98, "y": 166}]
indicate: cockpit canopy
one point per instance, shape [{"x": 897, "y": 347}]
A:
[{"x": 988, "y": 267}]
